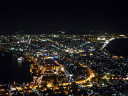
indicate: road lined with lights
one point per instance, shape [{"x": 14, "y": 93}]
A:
[
  {"x": 38, "y": 80},
  {"x": 92, "y": 74}
]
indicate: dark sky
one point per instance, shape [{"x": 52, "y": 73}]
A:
[{"x": 75, "y": 16}]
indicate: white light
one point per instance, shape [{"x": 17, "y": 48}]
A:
[{"x": 70, "y": 75}]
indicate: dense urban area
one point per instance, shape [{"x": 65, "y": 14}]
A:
[{"x": 67, "y": 65}]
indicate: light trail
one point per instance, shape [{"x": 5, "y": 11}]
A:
[{"x": 92, "y": 75}]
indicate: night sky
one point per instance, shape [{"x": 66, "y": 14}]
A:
[{"x": 73, "y": 16}]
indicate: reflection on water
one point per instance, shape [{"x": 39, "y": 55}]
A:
[
  {"x": 20, "y": 64},
  {"x": 12, "y": 70}
]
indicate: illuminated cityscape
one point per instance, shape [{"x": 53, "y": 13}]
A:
[
  {"x": 63, "y": 64},
  {"x": 63, "y": 48}
]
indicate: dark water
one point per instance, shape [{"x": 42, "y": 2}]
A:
[
  {"x": 118, "y": 47},
  {"x": 11, "y": 70}
]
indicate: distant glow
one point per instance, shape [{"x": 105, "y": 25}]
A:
[
  {"x": 100, "y": 38},
  {"x": 122, "y": 35}
]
